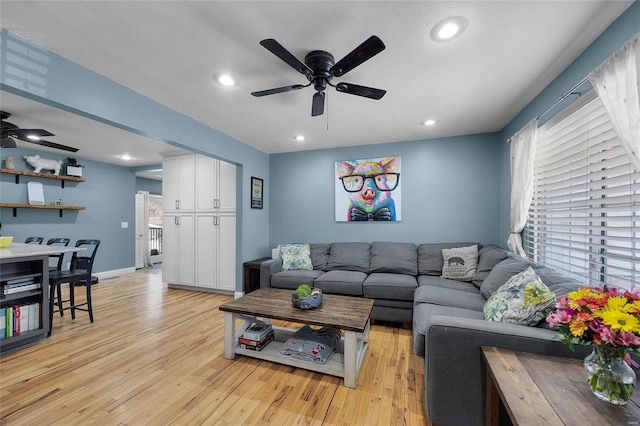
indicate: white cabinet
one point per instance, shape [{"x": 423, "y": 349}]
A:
[
  {"x": 215, "y": 251},
  {"x": 178, "y": 183},
  {"x": 199, "y": 236},
  {"x": 215, "y": 185},
  {"x": 178, "y": 264}
]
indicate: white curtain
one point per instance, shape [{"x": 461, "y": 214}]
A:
[
  {"x": 616, "y": 83},
  {"x": 144, "y": 241},
  {"x": 523, "y": 149}
]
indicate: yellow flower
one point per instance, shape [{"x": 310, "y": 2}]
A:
[
  {"x": 634, "y": 307},
  {"x": 577, "y": 328},
  {"x": 617, "y": 303},
  {"x": 620, "y": 321}
]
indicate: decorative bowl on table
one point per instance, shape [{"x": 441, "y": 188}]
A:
[
  {"x": 312, "y": 301},
  {"x": 5, "y": 241}
]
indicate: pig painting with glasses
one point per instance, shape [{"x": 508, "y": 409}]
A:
[{"x": 369, "y": 185}]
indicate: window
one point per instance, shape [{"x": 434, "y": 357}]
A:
[{"x": 585, "y": 211}]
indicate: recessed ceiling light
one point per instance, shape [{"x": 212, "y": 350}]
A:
[
  {"x": 224, "y": 80},
  {"x": 126, "y": 157},
  {"x": 429, "y": 122},
  {"x": 449, "y": 28},
  {"x": 299, "y": 138}
]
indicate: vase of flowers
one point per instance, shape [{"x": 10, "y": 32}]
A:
[{"x": 607, "y": 319}]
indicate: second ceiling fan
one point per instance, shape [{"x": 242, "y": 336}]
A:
[{"x": 319, "y": 68}]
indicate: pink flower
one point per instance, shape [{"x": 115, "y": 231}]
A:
[
  {"x": 608, "y": 335},
  {"x": 561, "y": 317},
  {"x": 562, "y": 303},
  {"x": 630, "y": 361},
  {"x": 627, "y": 338},
  {"x": 596, "y": 325}
]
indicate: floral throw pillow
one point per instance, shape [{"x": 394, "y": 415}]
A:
[
  {"x": 460, "y": 263},
  {"x": 524, "y": 299},
  {"x": 296, "y": 257}
]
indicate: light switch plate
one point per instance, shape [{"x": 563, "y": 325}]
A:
[{"x": 124, "y": 225}]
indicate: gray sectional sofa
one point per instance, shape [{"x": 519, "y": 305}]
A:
[{"x": 405, "y": 282}]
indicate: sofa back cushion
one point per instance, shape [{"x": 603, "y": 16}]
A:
[
  {"x": 488, "y": 257},
  {"x": 320, "y": 256},
  {"x": 349, "y": 257},
  {"x": 558, "y": 283},
  {"x": 395, "y": 258},
  {"x": 501, "y": 273},
  {"x": 430, "y": 260}
]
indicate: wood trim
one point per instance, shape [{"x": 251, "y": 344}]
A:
[{"x": 42, "y": 175}]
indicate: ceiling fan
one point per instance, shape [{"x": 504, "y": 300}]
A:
[
  {"x": 319, "y": 68},
  {"x": 8, "y": 131}
]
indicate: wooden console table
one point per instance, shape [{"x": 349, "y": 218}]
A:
[
  {"x": 251, "y": 274},
  {"x": 545, "y": 390}
]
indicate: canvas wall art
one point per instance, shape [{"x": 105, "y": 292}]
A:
[{"x": 368, "y": 190}]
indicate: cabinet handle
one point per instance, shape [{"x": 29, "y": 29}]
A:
[
  {"x": 175, "y": 221},
  {"x": 177, "y": 204}
]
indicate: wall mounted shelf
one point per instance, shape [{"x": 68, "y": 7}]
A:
[
  {"x": 16, "y": 206},
  {"x": 62, "y": 179}
]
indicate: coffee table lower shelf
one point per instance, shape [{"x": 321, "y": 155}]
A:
[{"x": 345, "y": 361}]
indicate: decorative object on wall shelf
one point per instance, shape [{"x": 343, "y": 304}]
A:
[
  {"x": 368, "y": 190},
  {"x": 43, "y": 164},
  {"x": 9, "y": 163},
  {"x": 19, "y": 173},
  {"x": 256, "y": 192},
  {"x": 73, "y": 168},
  {"x": 35, "y": 193}
]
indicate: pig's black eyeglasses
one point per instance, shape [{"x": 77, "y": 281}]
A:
[{"x": 383, "y": 181}]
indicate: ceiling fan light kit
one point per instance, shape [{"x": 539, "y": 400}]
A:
[{"x": 320, "y": 68}]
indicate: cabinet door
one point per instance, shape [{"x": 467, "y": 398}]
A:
[
  {"x": 206, "y": 250},
  {"x": 206, "y": 183},
  {"x": 186, "y": 249},
  {"x": 169, "y": 248},
  {"x": 227, "y": 252},
  {"x": 170, "y": 184},
  {"x": 226, "y": 186},
  {"x": 186, "y": 182}
]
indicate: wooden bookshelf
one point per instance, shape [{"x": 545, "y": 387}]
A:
[{"x": 62, "y": 179}]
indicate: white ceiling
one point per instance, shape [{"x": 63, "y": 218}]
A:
[{"x": 169, "y": 51}]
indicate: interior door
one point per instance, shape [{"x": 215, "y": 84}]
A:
[{"x": 139, "y": 232}]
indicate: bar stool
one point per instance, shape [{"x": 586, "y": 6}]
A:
[
  {"x": 34, "y": 240},
  {"x": 58, "y": 242},
  {"x": 81, "y": 267}
]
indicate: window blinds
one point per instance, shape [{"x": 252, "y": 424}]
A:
[{"x": 585, "y": 211}]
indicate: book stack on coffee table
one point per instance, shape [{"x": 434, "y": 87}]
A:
[{"x": 257, "y": 336}]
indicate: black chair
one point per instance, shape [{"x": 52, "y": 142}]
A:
[
  {"x": 80, "y": 271},
  {"x": 58, "y": 242},
  {"x": 34, "y": 240}
]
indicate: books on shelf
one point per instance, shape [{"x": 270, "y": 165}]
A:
[
  {"x": 256, "y": 345},
  {"x": 19, "y": 319},
  {"x": 257, "y": 331},
  {"x": 17, "y": 288}
]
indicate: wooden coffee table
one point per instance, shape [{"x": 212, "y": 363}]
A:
[{"x": 350, "y": 314}]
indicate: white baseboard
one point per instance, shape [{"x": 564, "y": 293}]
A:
[
  {"x": 114, "y": 273},
  {"x": 238, "y": 294}
]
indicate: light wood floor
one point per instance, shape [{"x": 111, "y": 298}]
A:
[{"x": 155, "y": 356}]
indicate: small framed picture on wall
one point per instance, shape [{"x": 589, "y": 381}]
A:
[{"x": 256, "y": 193}]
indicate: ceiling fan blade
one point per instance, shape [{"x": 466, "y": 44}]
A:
[
  {"x": 50, "y": 144},
  {"x": 277, "y": 49},
  {"x": 367, "y": 50},
  {"x": 278, "y": 90},
  {"x": 317, "y": 106},
  {"x": 25, "y": 133},
  {"x": 354, "y": 89}
]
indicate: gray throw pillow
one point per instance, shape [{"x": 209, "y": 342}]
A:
[{"x": 501, "y": 273}]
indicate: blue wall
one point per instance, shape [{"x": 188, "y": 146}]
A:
[
  {"x": 614, "y": 37},
  {"x": 449, "y": 193},
  {"x": 108, "y": 195},
  {"x": 31, "y": 71},
  {"x": 151, "y": 185}
]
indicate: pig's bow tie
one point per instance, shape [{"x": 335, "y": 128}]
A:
[{"x": 383, "y": 213}]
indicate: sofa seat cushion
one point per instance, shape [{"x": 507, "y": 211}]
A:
[
  {"x": 341, "y": 282},
  {"x": 429, "y": 280},
  {"x": 449, "y": 298},
  {"x": 294, "y": 278},
  {"x": 382, "y": 285},
  {"x": 421, "y": 314},
  {"x": 396, "y": 258}
]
